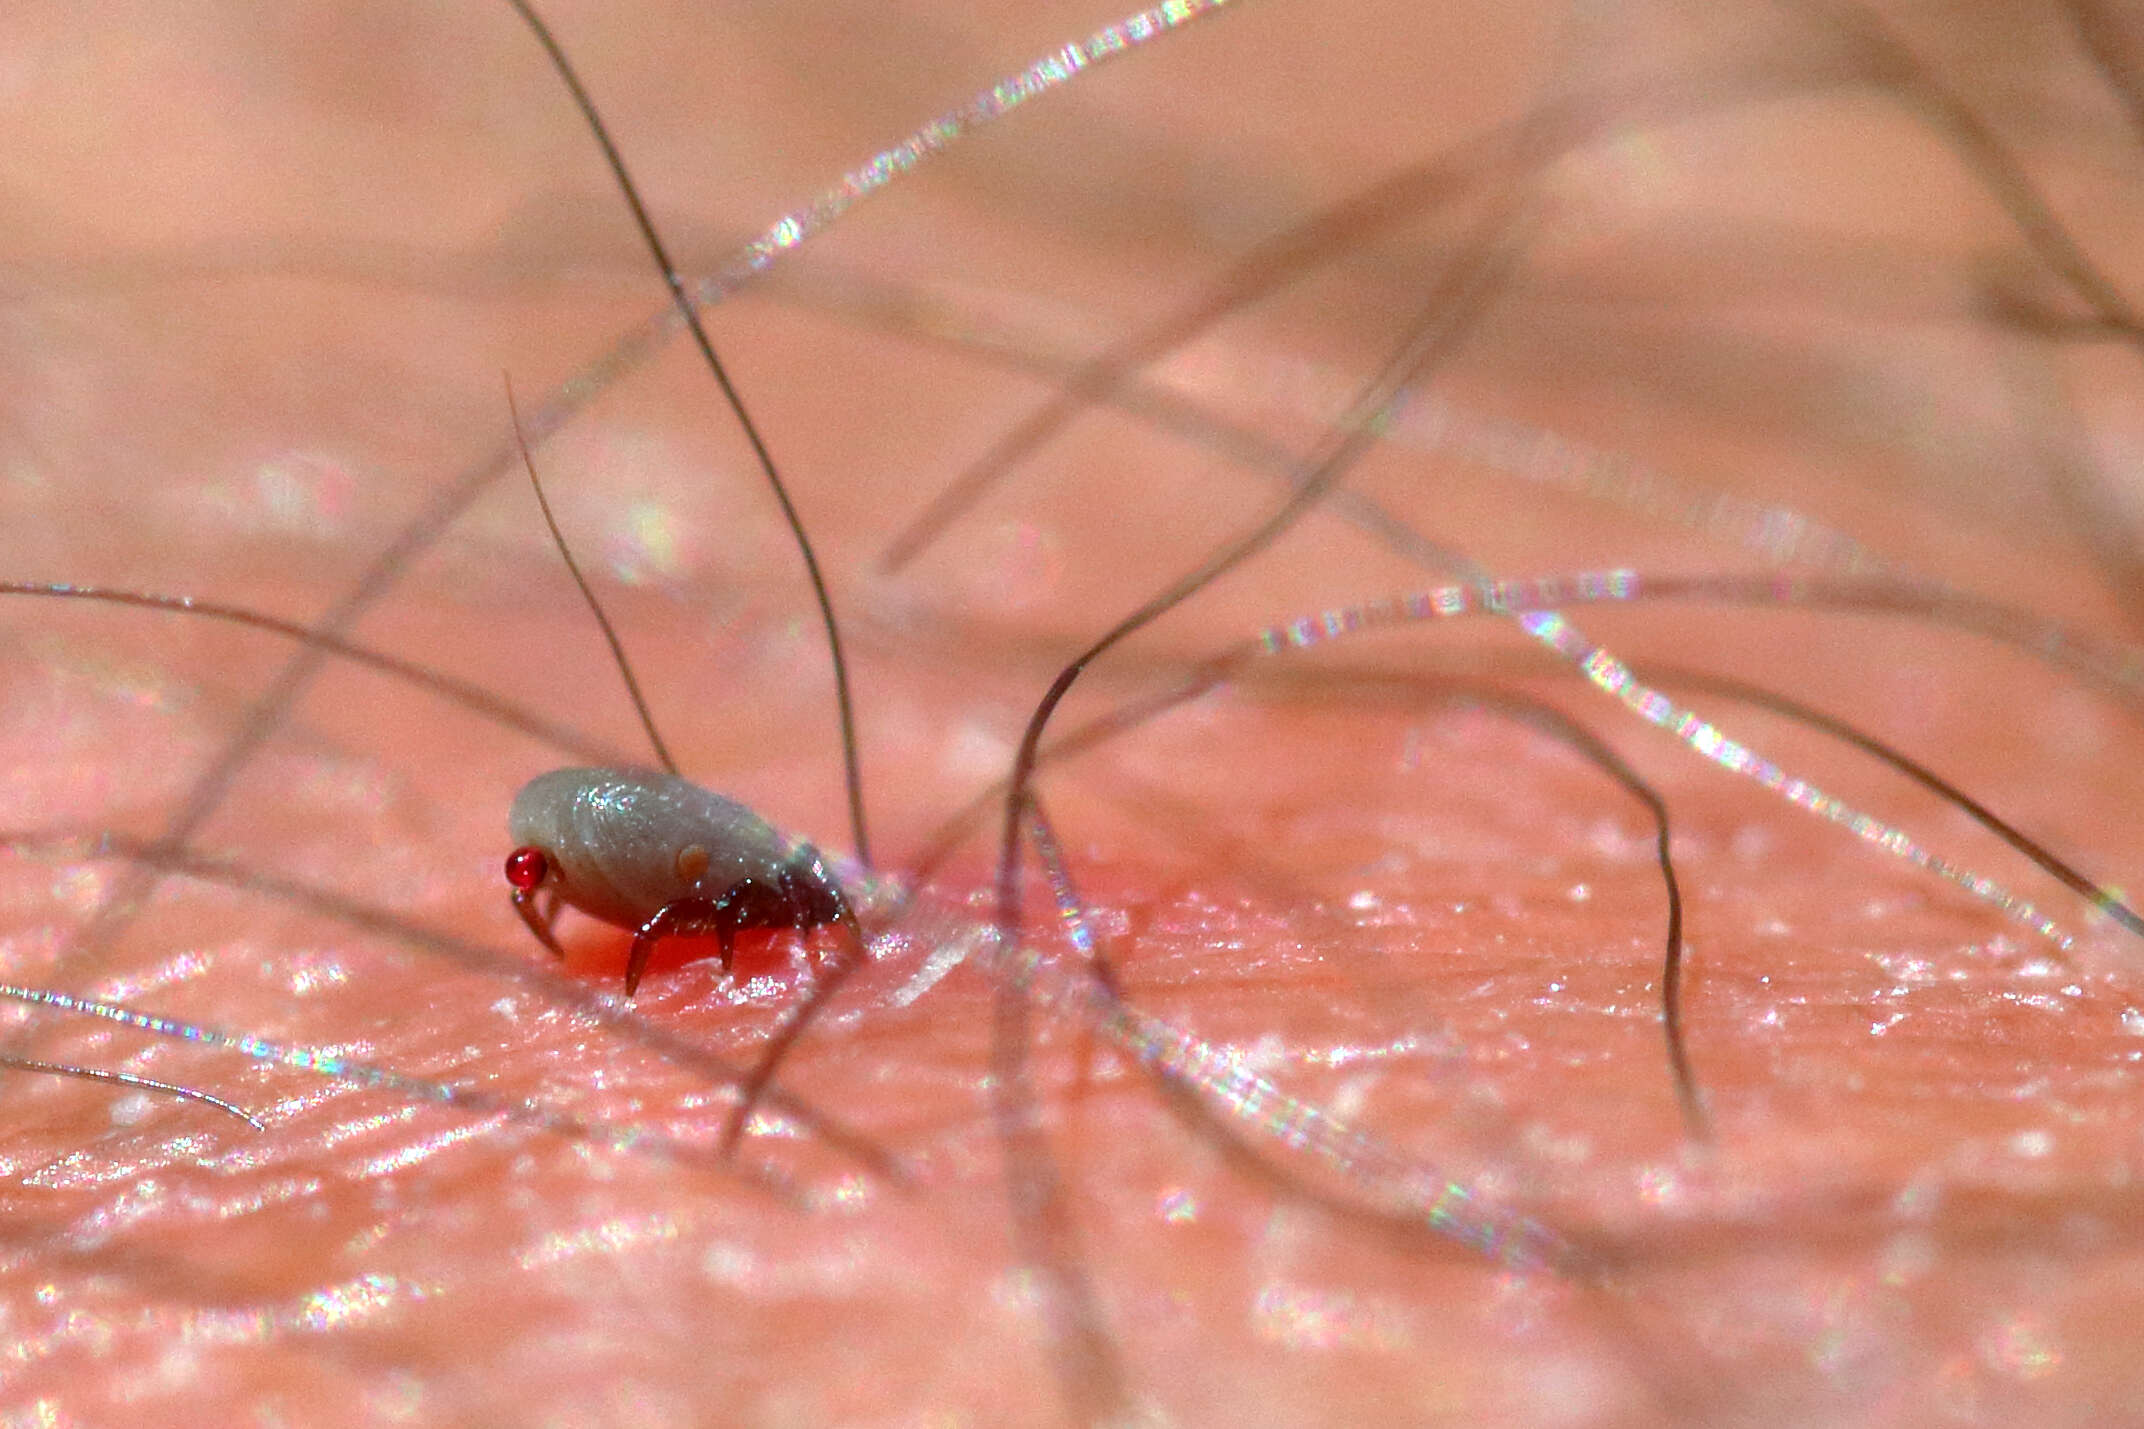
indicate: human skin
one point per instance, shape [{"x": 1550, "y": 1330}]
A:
[{"x": 265, "y": 272}]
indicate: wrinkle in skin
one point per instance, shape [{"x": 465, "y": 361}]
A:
[{"x": 1432, "y": 925}]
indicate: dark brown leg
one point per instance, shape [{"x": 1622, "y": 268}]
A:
[
  {"x": 742, "y": 904},
  {"x": 685, "y": 915},
  {"x": 539, "y": 922}
]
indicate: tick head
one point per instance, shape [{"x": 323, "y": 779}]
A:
[{"x": 527, "y": 868}]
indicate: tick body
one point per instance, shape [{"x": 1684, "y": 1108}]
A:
[{"x": 657, "y": 854}]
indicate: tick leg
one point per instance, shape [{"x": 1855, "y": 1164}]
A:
[
  {"x": 805, "y": 915},
  {"x": 742, "y": 905},
  {"x": 539, "y": 921},
  {"x": 683, "y": 915}
]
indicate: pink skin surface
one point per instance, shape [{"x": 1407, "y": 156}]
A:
[{"x": 265, "y": 267}]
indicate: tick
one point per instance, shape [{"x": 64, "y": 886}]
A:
[{"x": 656, "y": 854}]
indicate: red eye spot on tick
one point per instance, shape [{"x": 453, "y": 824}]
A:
[{"x": 526, "y": 868}]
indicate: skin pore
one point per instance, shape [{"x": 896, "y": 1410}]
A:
[{"x": 265, "y": 269}]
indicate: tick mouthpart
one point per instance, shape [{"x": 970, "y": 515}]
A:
[{"x": 526, "y": 868}]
